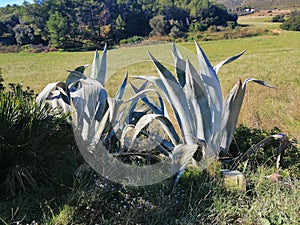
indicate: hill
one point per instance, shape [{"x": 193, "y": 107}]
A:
[{"x": 261, "y": 4}]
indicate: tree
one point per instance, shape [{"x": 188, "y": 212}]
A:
[
  {"x": 58, "y": 29},
  {"x": 158, "y": 25},
  {"x": 24, "y": 34},
  {"x": 36, "y": 15},
  {"x": 212, "y": 15},
  {"x": 135, "y": 19},
  {"x": 93, "y": 19}
]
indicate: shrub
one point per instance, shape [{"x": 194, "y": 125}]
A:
[
  {"x": 176, "y": 32},
  {"x": 35, "y": 147},
  {"x": 293, "y": 24},
  {"x": 230, "y": 25},
  {"x": 245, "y": 137},
  {"x": 278, "y": 18}
]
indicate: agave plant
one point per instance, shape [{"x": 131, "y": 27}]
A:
[
  {"x": 205, "y": 121},
  {"x": 85, "y": 99}
]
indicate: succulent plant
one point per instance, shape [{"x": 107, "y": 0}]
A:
[{"x": 206, "y": 122}]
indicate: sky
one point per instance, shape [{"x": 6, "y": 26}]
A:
[{"x": 11, "y": 2}]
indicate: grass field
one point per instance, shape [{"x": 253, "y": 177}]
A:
[{"x": 273, "y": 58}]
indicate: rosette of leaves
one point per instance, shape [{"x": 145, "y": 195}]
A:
[{"x": 206, "y": 122}]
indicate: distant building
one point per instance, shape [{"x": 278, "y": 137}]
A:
[{"x": 249, "y": 10}]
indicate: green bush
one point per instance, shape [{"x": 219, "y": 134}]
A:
[
  {"x": 278, "y": 18},
  {"x": 293, "y": 23},
  {"x": 199, "y": 198}
]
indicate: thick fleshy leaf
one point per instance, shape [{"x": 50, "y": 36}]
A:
[
  {"x": 261, "y": 82},
  {"x": 181, "y": 156},
  {"x": 98, "y": 70},
  {"x": 56, "y": 95},
  {"x": 178, "y": 101},
  {"x": 179, "y": 65},
  {"x": 282, "y": 140},
  {"x": 231, "y": 110},
  {"x": 89, "y": 100},
  {"x": 125, "y": 143},
  {"x": 165, "y": 123},
  {"x": 228, "y": 60},
  {"x": 81, "y": 69},
  {"x": 131, "y": 111},
  {"x": 151, "y": 103},
  {"x": 199, "y": 103},
  {"x": 113, "y": 107},
  {"x": 116, "y": 102},
  {"x": 95, "y": 71},
  {"x": 42, "y": 96},
  {"x": 73, "y": 77},
  {"x": 213, "y": 88},
  {"x": 121, "y": 90}
]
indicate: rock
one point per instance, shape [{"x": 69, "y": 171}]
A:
[{"x": 234, "y": 180}]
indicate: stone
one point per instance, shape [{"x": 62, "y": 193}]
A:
[{"x": 234, "y": 180}]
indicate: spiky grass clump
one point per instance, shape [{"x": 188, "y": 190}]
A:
[{"x": 37, "y": 154}]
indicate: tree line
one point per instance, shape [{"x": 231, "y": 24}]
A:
[{"x": 88, "y": 23}]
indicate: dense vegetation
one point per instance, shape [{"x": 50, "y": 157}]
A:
[
  {"x": 293, "y": 22},
  {"x": 74, "y": 23}
]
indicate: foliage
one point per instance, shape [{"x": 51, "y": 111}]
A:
[
  {"x": 211, "y": 15},
  {"x": 158, "y": 25},
  {"x": 24, "y": 34},
  {"x": 293, "y": 22},
  {"x": 267, "y": 154},
  {"x": 199, "y": 198},
  {"x": 132, "y": 40},
  {"x": 175, "y": 32},
  {"x": 278, "y": 18},
  {"x": 30, "y": 159},
  {"x": 206, "y": 122},
  {"x": 74, "y": 24},
  {"x": 231, "y": 25}
]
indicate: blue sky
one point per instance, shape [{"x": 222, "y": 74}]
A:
[{"x": 11, "y": 2}]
